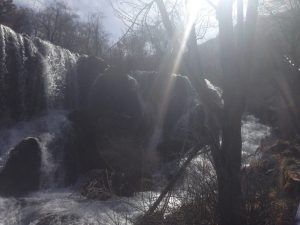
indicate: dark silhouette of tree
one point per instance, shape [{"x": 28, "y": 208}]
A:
[
  {"x": 93, "y": 36},
  {"x": 235, "y": 61}
]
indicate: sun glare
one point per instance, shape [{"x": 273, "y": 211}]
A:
[
  {"x": 192, "y": 9},
  {"x": 193, "y": 6}
]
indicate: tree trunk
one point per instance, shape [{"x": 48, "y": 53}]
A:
[
  {"x": 235, "y": 62},
  {"x": 230, "y": 198},
  {"x": 228, "y": 170}
]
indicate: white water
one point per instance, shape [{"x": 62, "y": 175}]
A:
[
  {"x": 47, "y": 129},
  {"x": 54, "y": 206},
  {"x": 41, "y": 70},
  {"x": 51, "y": 205},
  {"x": 76, "y": 210},
  {"x": 58, "y": 64},
  {"x": 252, "y": 134}
]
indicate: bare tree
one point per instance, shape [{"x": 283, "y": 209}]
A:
[
  {"x": 57, "y": 24},
  {"x": 60, "y": 25},
  {"x": 94, "y": 35}
]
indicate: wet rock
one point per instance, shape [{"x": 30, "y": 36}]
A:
[
  {"x": 170, "y": 97},
  {"x": 114, "y": 104},
  {"x": 113, "y": 112},
  {"x": 21, "y": 173},
  {"x": 83, "y": 155}
]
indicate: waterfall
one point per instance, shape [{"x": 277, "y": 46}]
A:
[
  {"x": 35, "y": 76},
  {"x": 38, "y": 83},
  {"x": 52, "y": 130},
  {"x": 62, "y": 206},
  {"x": 59, "y": 65},
  {"x": 3, "y": 69}
]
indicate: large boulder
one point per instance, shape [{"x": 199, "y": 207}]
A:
[
  {"x": 176, "y": 103},
  {"x": 21, "y": 173},
  {"x": 114, "y": 103},
  {"x": 113, "y": 111},
  {"x": 167, "y": 101}
]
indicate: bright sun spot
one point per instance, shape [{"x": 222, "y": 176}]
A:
[{"x": 193, "y": 6}]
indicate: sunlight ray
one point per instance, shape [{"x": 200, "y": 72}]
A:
[{"x": 192, "y": 8}]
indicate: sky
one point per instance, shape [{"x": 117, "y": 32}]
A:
[
  {"x": 112, "y": 24},
  {"x": 83, "y": 7}
]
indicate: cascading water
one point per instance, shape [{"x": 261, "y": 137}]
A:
[
  {"x": 37, "y": 79},
  {"x": 35, "y": 76},
  {"x": 46, "y": 128},
  {"x": 252, "y": 133},
  {"x": 38, "y": 82},
  {"x": 59, "y": 65}
]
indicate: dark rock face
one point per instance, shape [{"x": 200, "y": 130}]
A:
[
  {"x": 114, "y": 106},
  {"x": 88, "y": 69},
  {"x": 21, "y": 173},
  {"x": 114, "y": 101},
  {"x": 82, "y": 156},
  {"x": 167, "y": 100},
  {"x": 113, "y": 112},
  {"x": 176, "y": 118}
]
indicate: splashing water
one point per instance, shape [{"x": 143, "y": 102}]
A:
[
  {"x": 58, "y": 65},
  {"x": 64, "y": 207},
  {"x": 42, "y": 81},
  {"x": 252, "y": 134},
  {"x": 47, "y": 129},
  {"x": 34, "y": 75}
]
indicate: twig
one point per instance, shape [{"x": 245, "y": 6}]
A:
[{"x": 147, "y": 6}]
